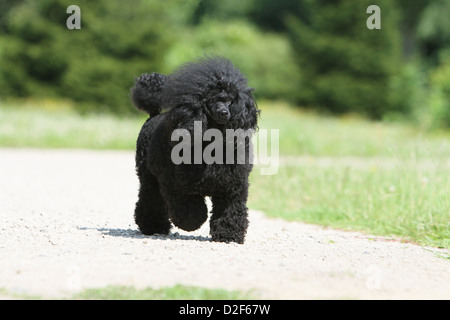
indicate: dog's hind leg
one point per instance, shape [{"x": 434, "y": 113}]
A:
[{"x": 151, "y": 212}]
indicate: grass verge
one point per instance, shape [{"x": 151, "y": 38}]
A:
[
  {"x": 48, "y": 126},
  {"x": 409, "y": 200},
  {"x": 386, "y": 179},
  {"x": 177, "y": 292}
]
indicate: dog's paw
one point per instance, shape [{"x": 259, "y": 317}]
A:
[
  {"x": 228, "y": 238},
  {"x": 229, "y": 228},
  {"x": 152, "y": 228}
]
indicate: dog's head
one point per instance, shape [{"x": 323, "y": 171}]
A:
[
  {"x": 212, "y": 91},
  {"x": 230, "y": 103}
]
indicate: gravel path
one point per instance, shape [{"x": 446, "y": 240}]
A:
[{"x": 67, "y": 224}]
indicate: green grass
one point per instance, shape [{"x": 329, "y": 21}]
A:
[
  {"x": 304, "y": 132},
  {"x": 351, "y": 173},
  {"x": 48, "y": 125},
  {"x": 55, "y": 124},
  {"x": 381, "y": 178},
  {"x": 409, "y": 200},
  {"x": 177, "y": 292}
]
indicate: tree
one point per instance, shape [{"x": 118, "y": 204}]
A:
[
  {"x": 345, "y": 66},
  {"x": 434, "y": 31},
  {"x": 94, "y": 66}
]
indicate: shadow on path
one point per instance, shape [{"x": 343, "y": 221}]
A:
[{"x": 135, "y": 234}]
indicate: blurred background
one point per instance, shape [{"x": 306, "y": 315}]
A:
[{"x": 317, "y": 54}]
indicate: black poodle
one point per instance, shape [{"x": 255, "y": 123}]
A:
[{"x": 208, "y": 94}]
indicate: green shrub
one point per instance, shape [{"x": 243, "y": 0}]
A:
[
  {"x": 439, "y": 100},
  {"x": 345, "y": 66},
  {"x": 94, "y": 66},
  {"x": 266, "y": 58},
  {"x": 408, "y": 94}
]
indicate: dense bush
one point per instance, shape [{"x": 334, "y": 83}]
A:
[
  {"x": 94, "y": 66},
  {"x": 439, "y": 102},
  {"x": 346, "y": 66},
  {"x": 433, "y": 30},
  {"x": 315, "y": 53},
  {"x": 408, "y": 94},
  {"x": 266, "y": 58}
]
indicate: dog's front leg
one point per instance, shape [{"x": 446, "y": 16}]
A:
[{"x": 229, "y": 220}]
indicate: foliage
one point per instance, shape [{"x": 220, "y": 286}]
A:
[
  {"x": 94, "y": 65},
  {"x": 222, "y": 10},
  {"x": 315, "y": 53},
  {"x": 346, "y": 66},
  {"x": 271, "y": 15},
  {"x": 408, "y": 94},
  {"x": 266, "y": 58},
  {"x": 433, "y": 30},
  {"x": 439, "y": 102}
]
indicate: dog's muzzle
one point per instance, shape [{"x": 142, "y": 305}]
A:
[{"x": 222, "y": 114}]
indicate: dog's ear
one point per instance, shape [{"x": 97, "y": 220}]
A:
[
  {"x": 252, "y": 113},
  {"x": 186, "y": 118},
  {"x": 245, "y": 114}
]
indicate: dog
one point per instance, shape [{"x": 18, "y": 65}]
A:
[{"x": 209, "y": 94}]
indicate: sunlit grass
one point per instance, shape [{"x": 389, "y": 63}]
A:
[
  {"x": 177, "y": 292},
  {"x": 47, "y": 126},
  {"x": 304, "y": 132},
  {"x": 387, "y": 197},
  {"x": 348, "y": 172}
]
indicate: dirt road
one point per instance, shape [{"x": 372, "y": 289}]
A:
[{"x": 66, "y": 220}]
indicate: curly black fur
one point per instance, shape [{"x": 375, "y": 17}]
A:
[
  {"x": 211, "y": 91},
  {"x": 146, "y": 93}
]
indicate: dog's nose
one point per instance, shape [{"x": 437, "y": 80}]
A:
[{"x": 224, "y": 114}]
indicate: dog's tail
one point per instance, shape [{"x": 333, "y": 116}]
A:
[{"x": 145, "y": 93}]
